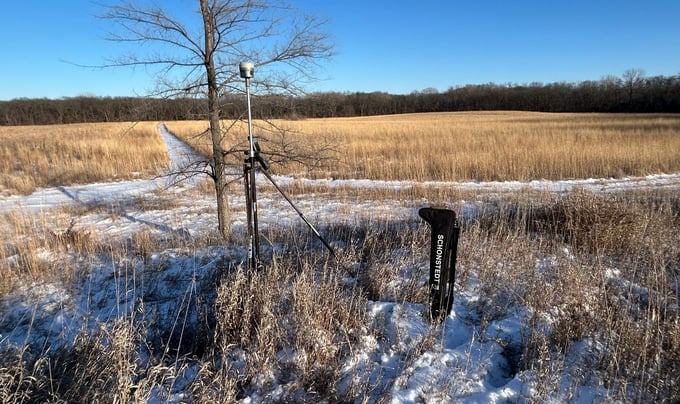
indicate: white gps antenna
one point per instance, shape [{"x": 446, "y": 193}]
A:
[{"x": 246, "y": 69}]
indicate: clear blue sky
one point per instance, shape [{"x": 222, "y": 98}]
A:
[{"x": 382, "y": 45}]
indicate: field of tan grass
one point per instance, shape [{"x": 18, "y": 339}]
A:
[
  {"x": 592, "y": 278},
  {"x": 51, "y": 155},
  {"x": 478, "y": 146},
  {"x": 466, "y": 146}
]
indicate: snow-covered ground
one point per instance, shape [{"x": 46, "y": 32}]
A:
[{"x": 472, "y": 362}]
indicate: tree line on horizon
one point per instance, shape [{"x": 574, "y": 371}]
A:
[{"x": 633, "y": 92}]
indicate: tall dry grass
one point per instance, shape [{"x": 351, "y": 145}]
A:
[
  {"x": 285, "y": 147},
  {"x": 596, "y": 275},
  {"x": 439, "y": 146},
  {"x": 481, "y": 146},
  {"x": 28, "y": 236},
  {"x": 51, "y": 155}
]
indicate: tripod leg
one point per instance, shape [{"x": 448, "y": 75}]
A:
[
  {"x": 316, "y": 232},
  {"x": 249, "y": 211},
  {"x": 453, "y": 253},
  {"x": 256, "y": 233},
  {"x": 251, "y": 214}
]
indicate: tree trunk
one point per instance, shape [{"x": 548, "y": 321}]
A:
[{"x": 214, "y": 114}]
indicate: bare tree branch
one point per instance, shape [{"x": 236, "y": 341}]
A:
[{"x": 199, "y": 57}]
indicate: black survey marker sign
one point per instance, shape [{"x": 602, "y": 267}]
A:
[{"x": 443, "y": 250}]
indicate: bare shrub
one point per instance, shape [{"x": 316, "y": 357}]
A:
[
  {"x": 595, "y": 223},
  {"x": 390, "y": 260},
  {"x": 20, "y": 378},
  {"x": 610, "y": 275},
  {"x": 70, "y": 238},
  {"x": 291, "y": 322}
]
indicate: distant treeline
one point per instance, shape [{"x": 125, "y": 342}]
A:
[{"x": 632, "y": 93}]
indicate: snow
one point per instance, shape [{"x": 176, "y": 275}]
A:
[
  {"x": 670, "y": 181},
  {"x": 415, "y": 362}
]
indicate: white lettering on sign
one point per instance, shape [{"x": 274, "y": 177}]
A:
[{"x": 439, "y": 252}]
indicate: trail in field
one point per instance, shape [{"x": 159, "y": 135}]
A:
[
  {"x": 187, "y": 168},
  {"x": 185, "y": 171}
]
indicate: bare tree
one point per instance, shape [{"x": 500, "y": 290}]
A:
[
  {"x": 633, "y": 78},
  {"x": 199, "y": 52}
]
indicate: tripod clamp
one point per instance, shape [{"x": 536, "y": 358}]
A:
[{"x": 259, "y": 157}]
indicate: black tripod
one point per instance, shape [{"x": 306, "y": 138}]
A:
[{"x": 254, "y": 157}]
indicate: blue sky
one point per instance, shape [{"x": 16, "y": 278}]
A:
[{"x": 382, "y": 45}]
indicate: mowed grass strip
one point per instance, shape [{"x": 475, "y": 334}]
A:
[
  {"x": 53, "y": 155},
  {"x": 479, "y": 146}
]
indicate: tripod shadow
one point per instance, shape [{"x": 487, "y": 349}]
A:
[
  {"x": 181, "y": 232},
  {"x": 69, "y": 194},
  {"x": 120, "y": 208}
]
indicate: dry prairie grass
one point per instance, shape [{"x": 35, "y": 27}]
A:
[
  {"x": 607, "y": 279},
  {"x": 296, "y": 323},
  {"x": 482, "y": 146},
  {"x": 51, "y": 155},
  {"x": 195, "y": 133},
  {"x": 27, "y": 236},
  {"x": 285, "y": 146},
  {"x": 598, "y": 273}
]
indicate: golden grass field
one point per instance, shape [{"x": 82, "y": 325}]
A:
[
  {"x": 456, "y": 146},
  {"x": 51, "y": 155},
  {"x": 479, "y": 146},
  {"x": 595, "y": 273}
]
